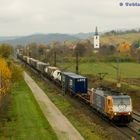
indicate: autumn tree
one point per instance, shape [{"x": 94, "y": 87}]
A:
[
  {"x": 5, "y": 77},
  {"x": 124, "y": 48},
  {"x": 88, "y": 47},
  {"x": 42, "y": 51},
  {"x": 16, "y": 72},
  {"x": 107, "y": 49},
  {"x": 35, "y": 51},
  {"x": 5, "y": 50},
  {"x": 32, "y": 50},
  {"x": 80, "y": 48},
  {"x": 136, "y": 44}
]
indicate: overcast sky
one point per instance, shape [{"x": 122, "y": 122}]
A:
[{"x": 23, "y": 17}]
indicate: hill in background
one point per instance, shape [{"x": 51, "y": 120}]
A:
[
  {"x": 83, "y": 35},
  {"x": 5, "y": 38},
  {"x": 39, "y": 39},
  {"x": 120, "y": 38},
  {"x": 111, "y": 37}
]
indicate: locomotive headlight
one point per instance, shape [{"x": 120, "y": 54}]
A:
[
  {"x": 115, "y": 113},
  {"x": 129, "y": 113}
]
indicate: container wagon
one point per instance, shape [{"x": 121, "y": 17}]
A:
[
  {"x": 33, "y": 62},
  {"x": 41, "y": 66},
  {"x": 74, "y": 83},
  {"x": 25, "y": 58}
]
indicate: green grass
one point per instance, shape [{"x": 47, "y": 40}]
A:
[
  {"x": 84, "y": 124},
  {"x": 27, "y": 122},
  {"x": 128, "y": 70}
]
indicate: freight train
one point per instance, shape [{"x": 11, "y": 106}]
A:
[{"x": 113, "y": 105}]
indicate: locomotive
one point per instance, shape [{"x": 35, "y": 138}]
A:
[{"x": 113, "y": 105}]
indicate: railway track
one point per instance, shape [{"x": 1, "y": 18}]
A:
[
  {"x": 125, "y": 130},
  {"x": 128, "y": 132},
  {"x": 136, "y": 116}
]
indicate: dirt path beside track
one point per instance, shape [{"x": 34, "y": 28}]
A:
[{"x": 61, "y": 125}]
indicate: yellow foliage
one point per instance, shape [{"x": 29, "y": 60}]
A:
[
  {"x": 124, "y": 48},
  {"x": 5, "y": 50},
  {"x": 17, "y": 73},
  {"x": 5, "y": 77}
]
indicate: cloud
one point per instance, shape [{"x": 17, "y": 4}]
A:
[{"x": 20, "y": 17}]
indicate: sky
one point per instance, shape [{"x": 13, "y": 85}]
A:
[{"x": 24, "y": 17}]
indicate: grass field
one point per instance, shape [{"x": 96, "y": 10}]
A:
[
  {"x": 128, "y": 70},
  {"x": 128, "y": 37},
  {"x": 25, "y": 119},
  {"x": 88, "y": 129}
]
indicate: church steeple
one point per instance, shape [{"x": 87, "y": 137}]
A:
[
  {"x": 96, "y": 40},
  {"x": 96, "y": 31}
]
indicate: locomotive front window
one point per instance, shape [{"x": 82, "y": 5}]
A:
[{"x": 121, "y": 101}]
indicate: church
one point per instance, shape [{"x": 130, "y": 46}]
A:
[{"x": 96, "y": 41}]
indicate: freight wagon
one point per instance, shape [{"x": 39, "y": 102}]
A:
[
  {"x": 57, "y": 75},
  {"x": 20, "y": 56},
  {"x": 28, "y": 60},
  {"x": 110, "y": 104},
  {"x": 50, "y": 70},
  {"x": 25, "y": 58},
  {"x": 74, "y": 83},
  {"x": 33, "y": 62},
  {"x": 41, "y": 66}
]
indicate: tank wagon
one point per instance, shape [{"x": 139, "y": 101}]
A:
[
  {"x": 57, "y": 75},
  {"x": 112, "y": 105},
  {"x": 50, "y": 70}
]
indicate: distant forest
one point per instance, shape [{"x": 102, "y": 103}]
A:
[{"x": 121, "y": 32}]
